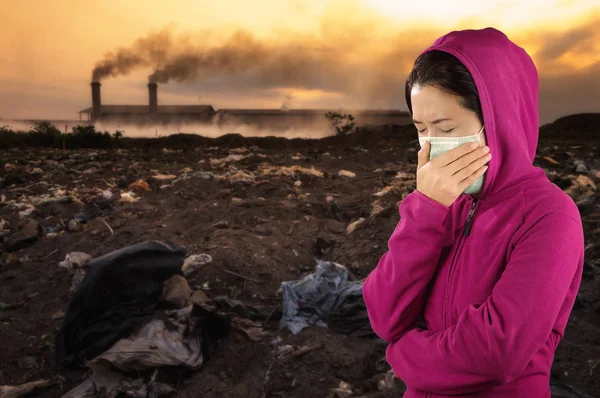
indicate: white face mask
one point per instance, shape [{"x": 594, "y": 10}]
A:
[{"x": 440, "y": 145}]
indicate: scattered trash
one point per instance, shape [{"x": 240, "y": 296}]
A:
[
  {"x": 346, "y": 173},
  {"x": 290, "y": 171},
  {"x": 344, "y": 390},
  {"x": 311, "y": 299},
  {"x": 75, "y": 260},
  {"x": 230, "y": 158},
  {"x": 383, "y": 192},
  {"x": 123, "y": 288},
  {"x": 58, "y": 315},
  {"x": 236, "y": 177},
  {"x": 128, "y": 197},
  {"x": 163, "y": 177},
  {"x": 549, "y": 159},
  {"x": 194, "y": 263},
  {"x": 140, "y": 185},
  {"x": 186, "y": 338},
  {"x": 353, "y": 226},
  {"x": 74, "y": 226}
]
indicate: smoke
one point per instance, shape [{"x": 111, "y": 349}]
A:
[
  {"x": 287, "y": 102},
  {"x": 362, "y": 60}
]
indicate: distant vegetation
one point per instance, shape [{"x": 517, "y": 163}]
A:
[
  {"x": 341, "y": 123},
  {"x": 45, "y": 134}
]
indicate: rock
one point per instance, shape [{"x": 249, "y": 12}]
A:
[
  {"x": 75, "y": 260},
  {"x": 298, "y": 183},
  {"x": 194, "y": 263},
  {"x": 176, "y": 291},
  {"x": 353, "y": 226},
  {"x": 74, "y": 226},
  {"x": 199, "y": 298},
  {"x": 140, "y": 185},
  {"x": 28, "y": 232},
  {"x": 346, "y": 173},
  {"x": 37, "y": 170}
]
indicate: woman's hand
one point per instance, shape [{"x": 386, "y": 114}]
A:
[{"x": 446, "y": 176}]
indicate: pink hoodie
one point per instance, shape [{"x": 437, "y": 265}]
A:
[{"x": 495, "y": 300}]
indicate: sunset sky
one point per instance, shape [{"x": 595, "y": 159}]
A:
[{"x": 260, "y": 53}]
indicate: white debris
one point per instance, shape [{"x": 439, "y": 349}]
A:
[
  {"x": 353, "y": 226},
  {"x": 75, "y": 260},
  {"x": 384, "y": 191},
  {"x": 128, "y": 197},
  {"x": 194, "y": 262},
  {"x": 346, "y": 173}
]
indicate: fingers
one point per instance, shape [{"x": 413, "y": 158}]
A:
[
  {"x": 471, "y": 179},
  {"x": 472, "y": 167},
  {"x": 423, "y": 155},
  {"x": 450, "y": 156},
  {"x": 465, "y": 160}
]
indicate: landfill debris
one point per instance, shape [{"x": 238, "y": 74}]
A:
[
  {"x": 291, "y": 170},
  {"x": 354, "y": 225},
  {"x": 23, "y": 389},
  {"x": 140, "y": 185},
  {"x": 74, "y": 226},
  {"x": 194, "y": 262},
  {"x": 344, "y": 390},
  {"x": 298, "y": 183},
  {"x": 118, "y": 292},
  {"x": 186, "y": 338},
  {"x": 310, "y": 300},
  {"x": 383, "y": 192},
  {"x": 230, "y": 158},
  {"x": 176, "y": 291},
  {"x": 377, "y": 208},
  {"x": 549, "y": 159},
  {"x": 58, "y": 315},
  {"x": 236, "y": 177},
  {"x": 75, "y": 260},
  {"x": 163, "y": 177},
  {"x": 346, "y": 173},
  {"x": 128, "y": 197}
]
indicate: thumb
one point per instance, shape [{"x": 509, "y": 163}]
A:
[{"x": 423, "y": 155}]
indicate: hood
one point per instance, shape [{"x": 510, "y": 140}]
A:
[{"x": 507, "y": 82}]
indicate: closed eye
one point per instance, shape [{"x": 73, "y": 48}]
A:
[{"x": 448, "y": 131}]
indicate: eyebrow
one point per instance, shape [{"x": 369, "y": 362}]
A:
[{"x": 436, "y": 121}]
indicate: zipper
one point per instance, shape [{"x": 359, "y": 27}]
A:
[{"x": 448, "y": 289}]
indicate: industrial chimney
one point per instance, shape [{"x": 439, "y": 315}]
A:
[
  {"x": 96, "y": 102},
  {"x": 153, "y": 98}
]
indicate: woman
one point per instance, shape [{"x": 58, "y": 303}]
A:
[{"x": 488, "y": 251}]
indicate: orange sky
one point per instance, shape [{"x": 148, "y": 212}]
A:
[{"x": 315, "y": 53}]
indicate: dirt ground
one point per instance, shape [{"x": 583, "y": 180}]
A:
[{"x": 259, "y": 233}]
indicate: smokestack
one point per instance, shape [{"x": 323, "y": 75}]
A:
[
  {"x": 96, "y": 102},
  {"x": 153, "y": 98}
]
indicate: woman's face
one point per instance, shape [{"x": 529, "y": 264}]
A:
[{"x": 439, "y": 114}]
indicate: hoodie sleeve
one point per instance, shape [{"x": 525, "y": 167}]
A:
[
  {"x": 493, "y": 342},
  {"x": 394, "y": 291}
]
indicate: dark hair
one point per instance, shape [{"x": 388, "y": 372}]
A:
[{"x": 443, "y": 70}]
